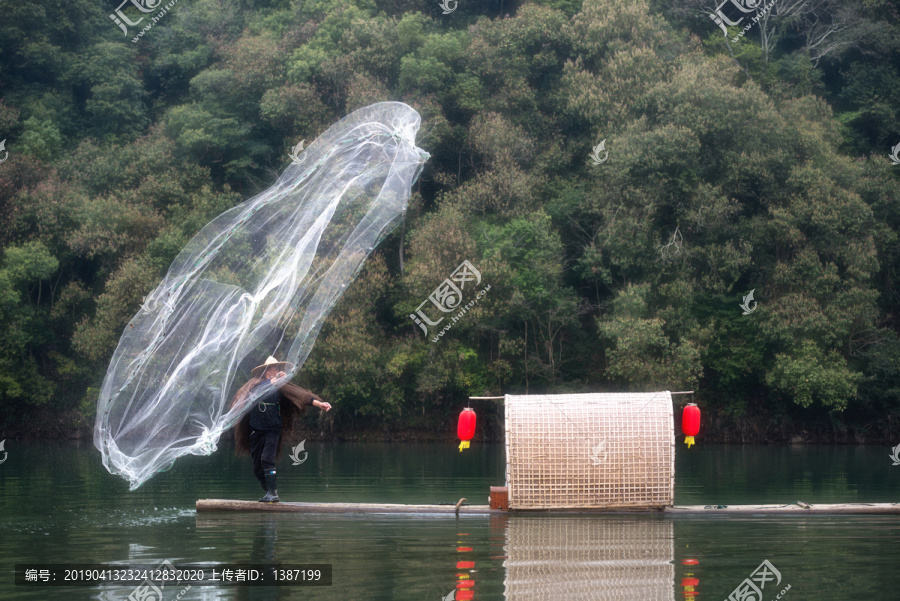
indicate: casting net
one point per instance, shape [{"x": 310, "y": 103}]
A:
[{"x": 258, "y": 280}]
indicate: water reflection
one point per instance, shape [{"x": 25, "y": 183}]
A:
[
  {"x": 263, "y": 551},
  {"x": 689, "y": 582},
  {"x": 465, "y": 575},
  {"x": 58, "y": 504},
  {"x": 589, "y": 557},
  {"x": 511, "y": 557},
  {"x": 260, "y": 533}
]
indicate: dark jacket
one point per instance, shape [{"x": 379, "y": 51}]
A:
[
  {"x": 266, "y": 413},
  {"x": 292, "y": 402}
]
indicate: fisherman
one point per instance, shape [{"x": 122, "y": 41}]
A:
[{"x": 262, "y": 429}]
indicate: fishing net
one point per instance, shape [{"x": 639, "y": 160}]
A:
[{"x": 258, "y": 280}]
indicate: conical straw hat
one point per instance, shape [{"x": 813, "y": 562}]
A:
[{"x": 271, "y": 362}]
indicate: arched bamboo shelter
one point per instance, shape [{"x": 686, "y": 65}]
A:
[{"x": 579, "y": 451}]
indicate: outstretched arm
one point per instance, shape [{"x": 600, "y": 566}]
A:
[{"x": 302, "y": 397}]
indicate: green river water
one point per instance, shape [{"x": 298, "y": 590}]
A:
[{"x": 58, "y": 505}]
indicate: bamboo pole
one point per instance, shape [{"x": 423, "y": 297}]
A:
[
  {"x": 226, "y": 505},
  {"x": 208, "y": 505}
]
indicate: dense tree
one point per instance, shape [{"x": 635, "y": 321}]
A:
[{"x": 725, "y": 167}]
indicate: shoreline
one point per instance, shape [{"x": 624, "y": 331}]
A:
[
  {"x": 847, "y": 438},
  {"x": 48, "y": 423}
]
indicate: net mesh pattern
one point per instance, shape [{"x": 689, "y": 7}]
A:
[
  {"x": 572, "y": 558},
  {"x": 590, "y": 450},
  {"x": 257, "y": 280}
]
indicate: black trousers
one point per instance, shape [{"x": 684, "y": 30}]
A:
[{"x": 263, "y": 447}]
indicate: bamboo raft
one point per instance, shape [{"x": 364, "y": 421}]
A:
[
  {"x": 224, "y": 505},
  {"x": 209, "y": 505},
  {"x": 792, "y": 508}
]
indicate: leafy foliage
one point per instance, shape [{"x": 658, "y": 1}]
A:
[{"x": 732, "y": 166}]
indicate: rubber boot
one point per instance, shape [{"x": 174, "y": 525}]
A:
[{"x": 271, "y": 490}]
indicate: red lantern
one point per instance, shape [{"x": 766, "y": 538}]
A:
[
  {"x": 466, "y": 428},
  {"x": 690, "y": 423}
]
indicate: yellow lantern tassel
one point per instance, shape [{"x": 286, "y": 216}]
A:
[
  {"x": 689, "y": 440},
  {"x": 463, "y": 445}
]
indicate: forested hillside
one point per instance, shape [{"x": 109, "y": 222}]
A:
[{"x": 725, "y": 167}]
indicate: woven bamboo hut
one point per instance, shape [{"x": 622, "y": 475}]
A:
[
  {"x": 556, "y": 558},
  {"x": 581, "y": 451}
]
